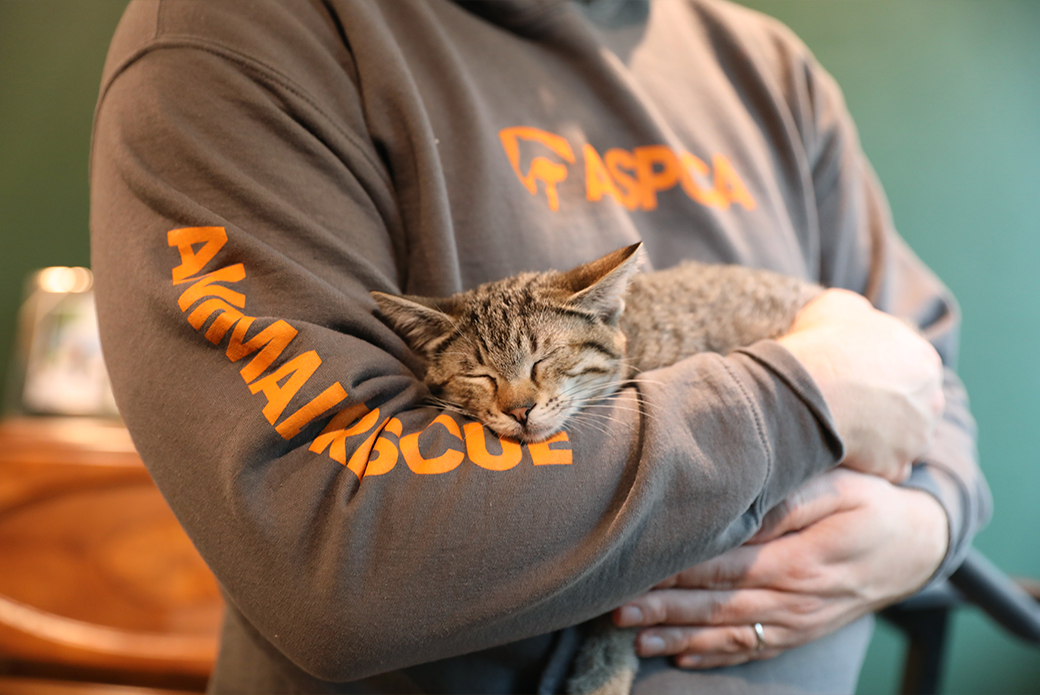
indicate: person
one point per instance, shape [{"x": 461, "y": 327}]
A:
[{"x": 258, "y": 168}]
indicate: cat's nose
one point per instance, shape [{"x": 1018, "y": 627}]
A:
[{"x": 520, "y": 414}]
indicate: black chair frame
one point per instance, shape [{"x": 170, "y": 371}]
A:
[{"x": 924, "y": 618}]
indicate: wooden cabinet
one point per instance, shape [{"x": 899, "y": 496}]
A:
[{"x": 97, "y": 579}]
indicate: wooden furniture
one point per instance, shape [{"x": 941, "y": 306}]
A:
[
  {"x": 97, "y": 580},
  {"x": 38, "y": 686}
]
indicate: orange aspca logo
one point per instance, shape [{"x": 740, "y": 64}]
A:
[
  {"x": 542, "y": 169},
  {"x": 632, "y": 178},
  {"x": 374, "y": 442}
]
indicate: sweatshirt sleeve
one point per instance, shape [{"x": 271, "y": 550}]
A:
[
  {"x": 861, "y": 251},
  {"x": 238, "y": 225}
]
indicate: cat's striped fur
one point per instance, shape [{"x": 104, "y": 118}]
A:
[{"x": 525, "y": 354}]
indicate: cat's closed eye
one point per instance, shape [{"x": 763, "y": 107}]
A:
[
  {"x": 485, "y": 379},
  {"x": 589, "y": 370}
]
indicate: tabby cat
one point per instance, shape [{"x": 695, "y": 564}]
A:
[{"x": 529, "y": 354}]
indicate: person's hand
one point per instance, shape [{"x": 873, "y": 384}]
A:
[
  {"x": 880, "y": 378},
  {"x": 844, "y": 545}
]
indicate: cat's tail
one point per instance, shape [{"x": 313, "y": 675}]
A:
[{"x": 607, "y": 662}]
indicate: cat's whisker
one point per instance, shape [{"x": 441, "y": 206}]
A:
[
  {"x": 589, "y": 395},
  {"x": 610, "y": 397},
  {"x": 641, "y": 413},
  {"x": 580, "y": 390},
  {"x": 580, "y": 421},
  {"x": 606, "y": 427},
  {"x": 649, "y": 407},
  {"x": 440, "y": 401},
  {"x": 592, "y": 411},
  {"x": 458, "y": 328},
  {"x": 459, "y": 332},
  {"x": 643, "y": 380},
  {"x": 451, "y": 407},
  {"x": 640, "y": 398},
  {"x": 600, "y": 421},
  {"x": 623, "y": 408},
  {"x": 457, "y": 412},
  {"x": 587, "y": 427},
  {"x": 628, "y": 366},
  {"x": 643, "y": 407}
]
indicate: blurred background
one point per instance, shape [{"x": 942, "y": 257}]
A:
[{"x": 947, "y": 99}]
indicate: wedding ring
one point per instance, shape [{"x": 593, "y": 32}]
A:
[{"x": 760, "y": 636}]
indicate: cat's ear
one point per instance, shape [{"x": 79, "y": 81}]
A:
[
  {"x": 419, "y": 320},
  {"x": 600, "y": 286}
]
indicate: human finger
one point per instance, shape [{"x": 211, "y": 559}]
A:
[
  {"x": 734, "y": 569},
  {"x": 712, "y": 642},
  {"x": 701, "y": 607},
  {"x": 788, "y": 562}
]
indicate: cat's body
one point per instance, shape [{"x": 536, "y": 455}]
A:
[
  {"x": 525, "y": 355},
  {"x": 696, "y": 307}
]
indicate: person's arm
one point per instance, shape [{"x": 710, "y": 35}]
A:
[
  {"x": 845, "y": 544},
  {"x": 239, "y": 221},
  {"x": 866, "y": 254},
  {"x": 860, "y": 250}
]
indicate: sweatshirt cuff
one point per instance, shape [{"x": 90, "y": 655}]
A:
[
  {"x": 965, "y": 514},
  {"x": 798, "y": 421},
  {"x": 948, "y": 473},
  {"x": 954, "y": 500}
]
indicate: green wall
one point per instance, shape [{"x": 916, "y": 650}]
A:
[
  {"x": 51, "y": 55},
  {"x": 947, "y": 98}
]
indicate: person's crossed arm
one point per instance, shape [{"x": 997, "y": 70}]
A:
[{"x": 847, "y": 543}]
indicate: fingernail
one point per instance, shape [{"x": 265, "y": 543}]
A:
[
  {"x": 630, "y": 615},
  {"x": 651, "y": 645},
  {"x": 689, "y": 661}
]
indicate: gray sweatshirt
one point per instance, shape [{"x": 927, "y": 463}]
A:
[{"x": 258, "y": 167}]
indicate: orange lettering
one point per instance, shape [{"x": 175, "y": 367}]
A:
[
  {"x": 222, "y": 302},
  {"x": 295, "y": 372},
  {"x": 225, "y": 319},
  {"x": 385, "y": 452},
  {"x": 447, "y": 461},
  {"x": 335, "y": 434},
  {"x": 657, "y": 169},
  {"x": 543, "y": 169},
  {"x": 212, "y": 239},
  {"x": 319, "y": 405},
  {"x": 359, "y": 461},
  {"x": 692, "y": 166},
  {"x": 597, "y": 179},
  {"x": 272, "y": 339},
  {"x": 204, "y": 287},
  {"x": 542, "y": 455},
  {"x": 622, "y": 164},
  {"x": 729, "y": 185},
  {"x": 476, "y": 447}
]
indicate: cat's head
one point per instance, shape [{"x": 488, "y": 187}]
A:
[{"x": 524, "y": 354}]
